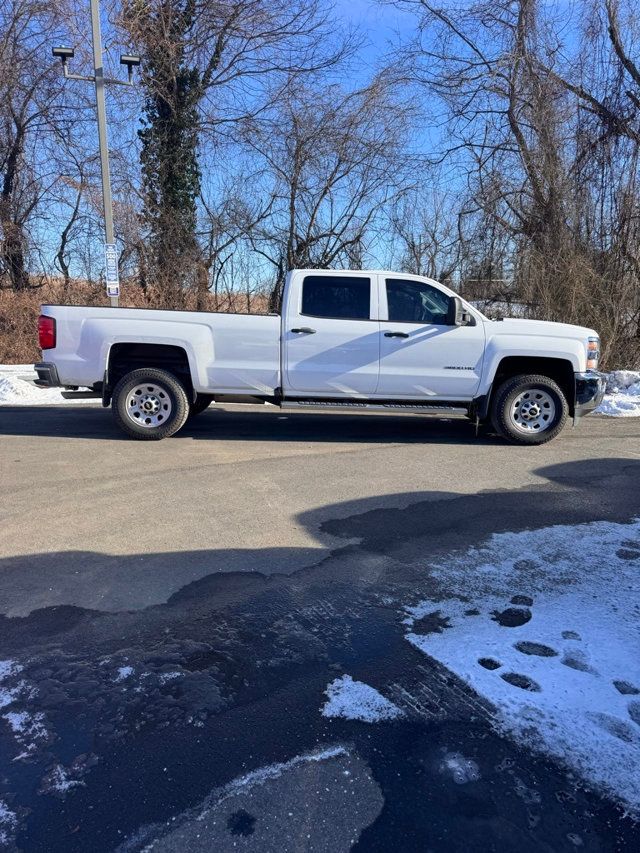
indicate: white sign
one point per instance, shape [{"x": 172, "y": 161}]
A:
[{"x": 111, "y": 269}]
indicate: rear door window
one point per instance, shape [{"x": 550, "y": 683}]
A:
[{"x": 336, "y": 297}]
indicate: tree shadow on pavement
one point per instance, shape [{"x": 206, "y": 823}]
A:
[{"x": 407, "y": 531}]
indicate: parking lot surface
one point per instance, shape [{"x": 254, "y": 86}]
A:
[{"x": 189, "y": 629}]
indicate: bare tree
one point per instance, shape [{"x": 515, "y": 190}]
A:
[
  {"x": 28, "y": 89},
  {"x": 532, "y": 126},
  {"x": 207, "y": 67},
  {"x": 332, "y": 162},
  {"x": 425, "y": 231}
]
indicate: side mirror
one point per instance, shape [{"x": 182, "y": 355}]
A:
[{"x": 458, "y": 315}]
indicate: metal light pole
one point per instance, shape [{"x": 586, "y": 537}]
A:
[
  {"x": 103, "y": 142},
  {"x": 99, "y": 80}
]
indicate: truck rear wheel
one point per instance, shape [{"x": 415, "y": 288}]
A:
[
  {"x": 529, "y": 409},
  {"x": 149, "y": 404}
]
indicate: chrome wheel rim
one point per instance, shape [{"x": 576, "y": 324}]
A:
[
  {"x": 149, "y": 405},
  {"x": 532, "y": 411}
]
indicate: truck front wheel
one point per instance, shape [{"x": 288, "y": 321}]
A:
[
  {"x": 149, "y": 404},
  {"x": 529, "y": 409}
]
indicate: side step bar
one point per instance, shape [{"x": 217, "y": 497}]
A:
[
  {"x": 82, "y": 395},
  {"x": 411, "y": 408}
]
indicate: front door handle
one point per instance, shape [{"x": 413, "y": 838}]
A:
[
  {"x": 305, "y": 330},
  {"x": 396, "y": 335}
]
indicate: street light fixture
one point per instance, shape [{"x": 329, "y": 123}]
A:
[
  {"x": 98, "y": 78},
  {"x": 64, "y": 53},
  {"x": 131, "y": 61}
]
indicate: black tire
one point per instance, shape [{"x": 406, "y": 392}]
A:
[
  {"x": 165, "y": 395},
  {"x": 522, "y": 426},
  {"x": 202, "y": 402}
]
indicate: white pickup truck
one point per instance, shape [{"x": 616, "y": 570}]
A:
[{"x": 366, "y": 340}]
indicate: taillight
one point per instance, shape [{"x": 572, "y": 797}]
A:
[{"x": 46, "y": 332}]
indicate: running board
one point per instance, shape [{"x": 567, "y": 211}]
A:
[
  {"x": 81, "y": 395},
  {"x": 352, "y": 405}
]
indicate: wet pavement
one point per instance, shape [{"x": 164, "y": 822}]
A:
[{"x": 193, "y": 720}]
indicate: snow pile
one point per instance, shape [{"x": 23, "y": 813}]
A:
[
  {"x": 355, "y": 700},
  {"x": 622, "y": 399},
  {"x": 17, "y": 389},
  {"x": 544, "y": 624}
]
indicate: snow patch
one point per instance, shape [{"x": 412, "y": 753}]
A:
[
  {"x": 8, "y": 824},
  {"x": 28, "y": 729},
  {"x": 58, "y": 781},
  {"x": 272, "y": 771},
  {"x": 544, "y": 624},
  {"x": 623, "y": 405},
  {"x": 123, "y": 673},
  {"x": 17, "y": 389},
  {"x": 168, "y": 676},
  {"x": 355, "y": 700},
  {"x": 8, "y": 695},
  {"x": 622, "y": 399},
  {"x": 621, "y": 380}
]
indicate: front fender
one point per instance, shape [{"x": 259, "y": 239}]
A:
[{"x": 500, "y": 347}]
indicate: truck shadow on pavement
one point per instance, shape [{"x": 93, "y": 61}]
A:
[
  {"x": 236, "y": 424},
  {"x": 254, "y": 652}
]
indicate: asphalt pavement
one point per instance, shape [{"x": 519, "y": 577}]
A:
[{"x": 256, "y": 555}]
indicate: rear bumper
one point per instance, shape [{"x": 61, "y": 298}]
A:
[
  {"x": 590, "y": 388},
  {"x": 47, "y": 375}
]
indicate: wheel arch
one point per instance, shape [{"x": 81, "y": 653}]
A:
[
  {"x": 561, "y": 370},
  {"x": 125, "y": 356}
]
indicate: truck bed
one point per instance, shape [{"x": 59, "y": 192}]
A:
[{"x": 232, "y": 353}]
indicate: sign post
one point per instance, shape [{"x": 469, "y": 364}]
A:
[{"x": 111, "y": 271}]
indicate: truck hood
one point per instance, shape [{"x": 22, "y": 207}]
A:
[{"x": 518, "y": 326}]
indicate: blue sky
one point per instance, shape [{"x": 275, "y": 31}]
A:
[{"x": 382, "y": 26}]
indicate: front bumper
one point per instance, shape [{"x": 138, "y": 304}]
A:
[
  {"x": 590, "y": 388},
  {"x": 47, "y": 375}
]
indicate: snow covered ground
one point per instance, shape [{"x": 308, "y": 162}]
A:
[
  {"x": 17, "y": 389},
  {"x": 623, "y": 395},
  {"x": 545, "y": 625}
]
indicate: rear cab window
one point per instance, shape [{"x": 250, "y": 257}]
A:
[{"x": 336, "y": 297}]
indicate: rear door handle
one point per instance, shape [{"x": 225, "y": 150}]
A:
[
  {"x": 396, "y": 335},
  {"x": 305, "y": 330}
]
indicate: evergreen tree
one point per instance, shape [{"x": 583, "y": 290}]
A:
[{"x": 169, "y": 138}]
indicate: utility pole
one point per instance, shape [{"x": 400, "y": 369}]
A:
[
  {"x": 99, "y": 80},
  {"x": 103, "y": 141}
]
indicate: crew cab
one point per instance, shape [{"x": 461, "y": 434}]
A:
[{"x": 372, "y": 341}]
